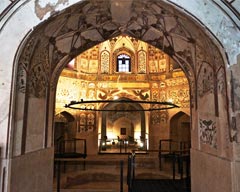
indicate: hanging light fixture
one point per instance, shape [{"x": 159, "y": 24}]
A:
[{"x": 80, "y": 105}]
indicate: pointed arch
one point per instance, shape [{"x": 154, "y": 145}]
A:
[{"x": 180, "y": 127}]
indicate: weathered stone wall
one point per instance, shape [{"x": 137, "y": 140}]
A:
[
  {"x": 207, "y": 173},
  {"x": 27, "y": 172}
]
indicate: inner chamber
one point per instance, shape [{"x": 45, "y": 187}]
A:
[{"x": 147, "y": 81}]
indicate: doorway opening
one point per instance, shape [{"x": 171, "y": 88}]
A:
[
  {"x": 123, "y": 128},
  {"x": 93, "y": 75}
]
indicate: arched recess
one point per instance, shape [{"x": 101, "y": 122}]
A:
[
  {"x": 180, "y": 127},
  {"x": 55, "y": 42},
  {"x": 132, "y": 117},
  {"x": 62, "y": 122}
]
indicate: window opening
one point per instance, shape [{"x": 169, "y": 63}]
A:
[{"x": 123, "y": 63}]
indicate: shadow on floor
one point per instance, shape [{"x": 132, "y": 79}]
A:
[{"x": 160, "y": 185}]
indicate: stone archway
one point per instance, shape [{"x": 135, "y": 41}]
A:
[
  {"x": 47, "y": 50},
  {"x": 64, "y": 36}
]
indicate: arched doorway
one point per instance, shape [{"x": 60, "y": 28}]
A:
[
  {"x": 62, "y": 123},
  {"x": 41, "y": 94},
  {"x": 180, "y": 128},
  {"x": 126, "y": 128}
]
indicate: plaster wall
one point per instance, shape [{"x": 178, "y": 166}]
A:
[
  {"x": 35, "y": 126},
  {"x": 218, "y": 22},
  {"x": 4, "y": 5},
  {"x": 235, "y": 104},
  {"x": 236, "y": 175},
  {"x": 210, "y": 173},
  {"x": 236, "y": 5},
  {"x": 27, "y": 174}
]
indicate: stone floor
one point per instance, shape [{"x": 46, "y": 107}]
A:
[{"x": 101, "y": 173}]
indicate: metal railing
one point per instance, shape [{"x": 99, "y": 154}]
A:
[
  {"x": 139, "y": 170},
  {"x": 71, "y": 148},
  {"x": 131, "y": 171},
  {"x": 176, "y": 151}
]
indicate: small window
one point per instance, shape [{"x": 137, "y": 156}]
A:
[
  {"x": 123, "y": 63},
  {"x": 71, "y": 64}
]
